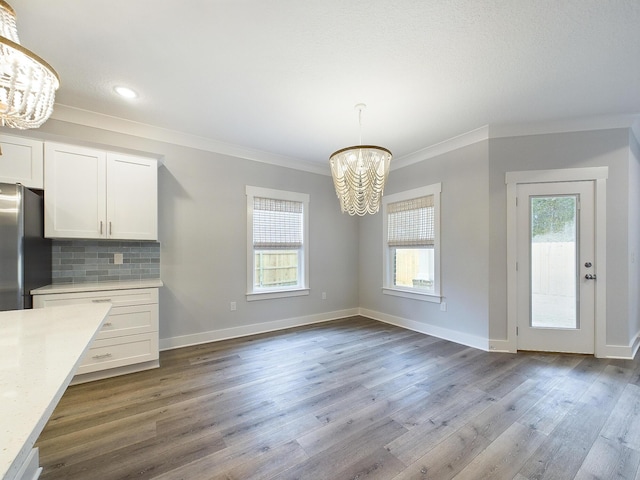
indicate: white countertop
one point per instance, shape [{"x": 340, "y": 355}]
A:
[
  {"x": 39, "y": 352},
  {"x": 96, "y": 287}
]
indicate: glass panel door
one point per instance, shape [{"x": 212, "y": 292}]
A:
[{"x": 554, "y": 268}]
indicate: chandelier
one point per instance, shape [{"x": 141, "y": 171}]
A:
[
  {"x": 359, "y": 174},
  {"x": 27, "y": 83}
]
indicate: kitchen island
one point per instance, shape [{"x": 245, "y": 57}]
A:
[{"x": 40, "y": 351}]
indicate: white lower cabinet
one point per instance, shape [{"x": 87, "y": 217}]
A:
[{"x": 128, "y": 340}]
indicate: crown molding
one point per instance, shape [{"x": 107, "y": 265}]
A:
[
  {"x": 567, "y": 125},
  {"x": 459, "y": 141},
  {"x": 79, "y": 116},
  {"x": 603, "y": 122}
]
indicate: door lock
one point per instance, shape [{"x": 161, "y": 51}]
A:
[
  {"x": 588, "y": 264},
  {"x": 589, "y": 276}
]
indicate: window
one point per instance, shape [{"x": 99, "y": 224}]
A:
[
  {"x": 277, "y": 233},
  {"x": 412, "y": 243}
]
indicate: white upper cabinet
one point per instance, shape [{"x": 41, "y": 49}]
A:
[
  {"x": 132, "y": 197},
  {"x": 90, "y": 193},
  {"x": 75, "y": 192},
  {"x": 21, "y": 161}
]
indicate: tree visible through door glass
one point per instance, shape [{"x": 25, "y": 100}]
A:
[{"x": 553, "y": 269}]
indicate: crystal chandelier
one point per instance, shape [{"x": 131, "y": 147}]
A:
[
  {"x": 359, "y": 174},
  {"x": 27, "y": 83}
]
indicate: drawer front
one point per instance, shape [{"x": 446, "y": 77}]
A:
[
  {"x": 130, "y": 321},
  {"x": 118, "y": 352},
  {"x": 140, "y": 296}
]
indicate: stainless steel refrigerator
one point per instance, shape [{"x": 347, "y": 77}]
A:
[{"x": 25, "y": 255}]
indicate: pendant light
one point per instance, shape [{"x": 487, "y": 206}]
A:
[
  {"x": 359, "y": 174},
  {"x": 27, "y": 83}
]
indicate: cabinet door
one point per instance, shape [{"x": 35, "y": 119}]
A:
[
  {"x": 132, "y": 197},
  {"x": 75, "y": 192},
  {"x": 21, "y": 161}
]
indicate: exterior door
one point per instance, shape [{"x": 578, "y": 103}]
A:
[{"x": 556, "y": 267}]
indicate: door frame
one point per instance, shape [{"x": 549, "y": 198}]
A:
[{"x": 599, "y": 176}]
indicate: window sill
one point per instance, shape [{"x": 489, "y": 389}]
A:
[
  {"x": 423, "y": 297},
  {"x": 253, "y": 296}
]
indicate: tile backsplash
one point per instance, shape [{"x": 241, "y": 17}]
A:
[{"x": 80, "y": 261}]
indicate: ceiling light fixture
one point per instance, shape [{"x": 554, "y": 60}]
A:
[
  {"x": 359, "y": 174},
  {"x": 125, "y": 92},
  {"x": 27, "y": 83}
]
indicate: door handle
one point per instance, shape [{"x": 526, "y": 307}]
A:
[{"x": 589, "y": 276}]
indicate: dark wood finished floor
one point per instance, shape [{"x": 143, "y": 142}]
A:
[{"x": 351, "y": 399}]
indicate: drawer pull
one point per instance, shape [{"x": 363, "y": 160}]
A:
[
  {"x": 108, "y": 324},
  {"x": 100, "y": 357},
  {"x": 101, "y": 300}
]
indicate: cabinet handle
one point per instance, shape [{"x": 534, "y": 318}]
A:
[
  {"x": 101, "y": 300},
  {"x": 100, "y": 227},
  {"x": 108, "y": 324},
  {"x": 109, "y": 228},
  {"x": 100, "y": 357}
]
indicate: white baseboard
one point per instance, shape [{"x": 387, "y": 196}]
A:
[
  {"x": 491, "y": 345},
  {"x": 503, "y": 346},
  {"x": 623, "y": 352},
  {"x": 610, "y": 351},
  {"x": 444, "y": 333},
  {"x": 256, "y": 328}
]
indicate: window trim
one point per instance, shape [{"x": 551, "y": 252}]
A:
[
  {"x": 294, "y": 291},
  {"x": 387, "y": 284}
]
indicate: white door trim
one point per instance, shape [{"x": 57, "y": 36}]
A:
[{"x": 599, "y": 176}]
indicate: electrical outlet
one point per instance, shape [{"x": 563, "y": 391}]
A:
[
  {"x": 232, "y": 305},
  {"x": 118, "y": 258},
  {"x": 443, "y": 307},
  {"x": 324, "y": 295}
]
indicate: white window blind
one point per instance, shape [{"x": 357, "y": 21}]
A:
[
  {"x": 411, "y": 222},
  {"x": 277, "y": 224}
]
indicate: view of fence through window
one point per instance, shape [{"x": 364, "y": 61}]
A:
[
  {"x": 414, "y": 268},
  {"x": 553, "y": 261},
  {"x": 276, "y": 268}
]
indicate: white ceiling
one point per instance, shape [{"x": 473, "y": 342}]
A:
[{"x": 283, "y": 76}]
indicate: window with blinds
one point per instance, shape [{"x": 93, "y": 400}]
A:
[
  {"x": 277, "y": 224},
  {"x": 276, "y": 240},
  {"x": 411, "y": 242},
  {"x": 411, "y": 223}
]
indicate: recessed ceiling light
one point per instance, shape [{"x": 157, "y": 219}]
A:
[{"x": 125, "y": 92}]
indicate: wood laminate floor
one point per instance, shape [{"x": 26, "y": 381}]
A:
[{"x": 351, "y": 399}]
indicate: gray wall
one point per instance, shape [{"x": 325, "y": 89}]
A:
[
  {"x": 474, "y": 230},
  {"x": 564, "y": 150},
  {"x": 464, "y": 243},
  {"x": 202, "y": 230},
  {"x": 634, "y": 236},
  {"x": 203, "y": 238}
]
